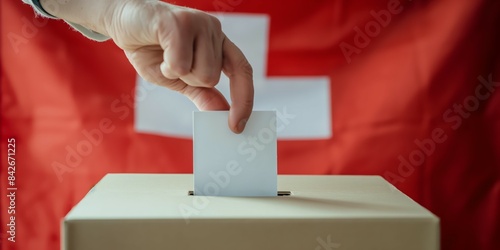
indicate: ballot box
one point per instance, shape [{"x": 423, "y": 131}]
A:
[{"x": 158, "y": 211}]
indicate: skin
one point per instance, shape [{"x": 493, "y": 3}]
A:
[{"x": 179, "y": 48}]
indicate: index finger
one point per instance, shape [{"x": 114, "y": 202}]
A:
[{"x": 236, "y": 67}]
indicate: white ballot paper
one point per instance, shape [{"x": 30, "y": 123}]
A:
[{"x": 229, "y": 164}]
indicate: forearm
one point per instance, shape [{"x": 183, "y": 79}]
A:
[{"x": 92, "y": 14}]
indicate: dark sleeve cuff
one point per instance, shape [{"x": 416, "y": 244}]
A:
[{"x": 39, "y": 7}]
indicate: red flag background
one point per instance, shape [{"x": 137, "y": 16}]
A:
[{"x": 414, "y": 98}]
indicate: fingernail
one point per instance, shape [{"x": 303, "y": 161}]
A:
[{"x": 241, "y": 125}]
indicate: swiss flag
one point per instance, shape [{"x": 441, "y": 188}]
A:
[{"x": 402, "y": 89}]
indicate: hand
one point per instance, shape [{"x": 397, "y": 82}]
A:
[
  {"x": 185, "y": 50},
  {"x": 182, "y": 49}
]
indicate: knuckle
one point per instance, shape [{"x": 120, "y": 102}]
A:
[
  {"x": 248, "y": 102},
  {"x": 173, "y": 84},
  {"x": 179, "y": 69},
  {"x": 216, "y": 23},
  {"x": 209, "y": 80},
  {"x": 246, "y": 68},
  {"x": 178, "y": 86},
  {"x": 183, "y": 18}
]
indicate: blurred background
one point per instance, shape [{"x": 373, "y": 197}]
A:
[{"x": 403, "y": 89}]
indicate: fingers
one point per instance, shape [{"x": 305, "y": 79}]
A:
[
  {"x": 207, "y": 63},
  {"x": 239, "y": 71},
  {"x": 205, "y": 98},
  {"x": 146, "y": 61},
  {"x": 178, "y": 47},
  {"x": 192, "y": 51}
]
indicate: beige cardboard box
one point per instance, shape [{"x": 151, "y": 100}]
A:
[{"x": 154, "y": 211}]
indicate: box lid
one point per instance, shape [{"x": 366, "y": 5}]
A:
[{"x": 165, "y": 196}]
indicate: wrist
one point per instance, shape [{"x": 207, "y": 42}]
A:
[
  {"x": 135, "y": 22},
  {"x": 91, "y": 14}
]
